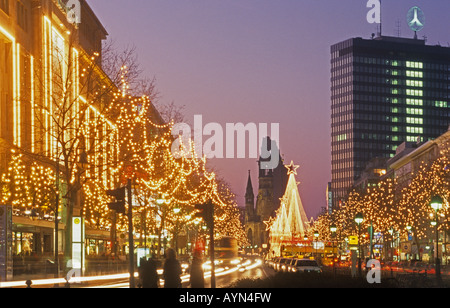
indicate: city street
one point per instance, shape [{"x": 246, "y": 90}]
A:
[
  {"x": 224, "y": 145},
  {"x": 224, "y": 277}
]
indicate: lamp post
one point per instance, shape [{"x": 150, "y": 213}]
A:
[
  {"x": 316, "y": 235},
  {"x": 391, "y": 232},
  {"x": 56, "y": 220},
  {"x": 160, "y": 201},
  {"x": 408, "y": 230},
  {"x": 305, "y": 239},
  {"x": 333, "y": 230},
  {"x": 359, "y": 218},
  {"x": 436, "y": 205}
]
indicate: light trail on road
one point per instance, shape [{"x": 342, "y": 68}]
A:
[
  {"x": 220, "y": 271},
  {"x": 248, "y": 265}
]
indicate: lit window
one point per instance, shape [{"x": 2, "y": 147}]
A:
[
  {"x": 411, "y": 64},
  {"x": 414, "y": 102},
  {"x": 414, "y": 130},
  {"x": 413, "y": 92},
  {"x": 441, "y": 104},
  {"x": 342, "y": 137},
  {"x": 417, "y": 121},
  {"x": 414, "y": 111},
  {"x": 414, "y": 74}
]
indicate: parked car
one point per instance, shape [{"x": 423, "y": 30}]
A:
[
  {"x": 275, "y": 263},
  {"x": 271, "y": 262},
  {"x": 290, "y": 265},
  {"x": 306, "y": 266}
]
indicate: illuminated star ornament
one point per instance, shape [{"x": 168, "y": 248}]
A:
[{"x": 292, "y": 169}]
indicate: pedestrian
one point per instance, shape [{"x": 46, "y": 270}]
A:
[
  {"x": 197, "y": 279},
  {"x": 172, "y": 270},
  {"x": 153, "y": 277},
  {"x": 148, "y": 274}
]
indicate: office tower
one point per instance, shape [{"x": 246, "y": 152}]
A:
[{"x": 385, "y": 91}]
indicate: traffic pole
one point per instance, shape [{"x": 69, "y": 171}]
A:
[{"x": 211, "y": 244}]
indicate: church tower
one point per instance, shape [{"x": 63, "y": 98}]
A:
[
  {"x": 271, "y": 187},
  {"x": 249, "y": 200},
  {"x": 264, "y": 201}
]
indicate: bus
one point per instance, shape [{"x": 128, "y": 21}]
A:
[{"x": 226, "y": 251}]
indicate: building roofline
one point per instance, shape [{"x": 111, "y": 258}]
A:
[
  {"x": 94, "y": 16},
  {"x": 416, "y": 152}
]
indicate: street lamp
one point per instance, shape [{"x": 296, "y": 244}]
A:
[
  {"x": 160, "y": 200},
  {"x": 333, "y": 230},
  {"x": 305, "y": 239},
  {"x": 436, "y": 205},
  {"x": 316, "y": 235},
  {"x": 359, "y": 218}
]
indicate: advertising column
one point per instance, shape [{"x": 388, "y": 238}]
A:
[{"x": 78, "y": 236}]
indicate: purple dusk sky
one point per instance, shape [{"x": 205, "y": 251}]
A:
[{"x": 257, "y": 61}]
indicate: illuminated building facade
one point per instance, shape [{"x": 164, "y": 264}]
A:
[
  {"x": 385, "y": 91},
  {"x": 411, "y": 157},
  {"x": 52, "y": 96}
]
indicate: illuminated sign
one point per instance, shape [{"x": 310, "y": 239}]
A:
[{"x": 416, "y": 19}]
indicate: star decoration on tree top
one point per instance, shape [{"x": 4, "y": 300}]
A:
[{"x": 292, "y": 169}]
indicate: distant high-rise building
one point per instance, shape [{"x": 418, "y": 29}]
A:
[{"x": 385, "y": 91}]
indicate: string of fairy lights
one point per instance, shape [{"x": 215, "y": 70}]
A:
[
  {"x": 393, "y": 207},
  {"x": 28, "y": 186},
  {"x": 181, "y": 181},
  {"x": 290, "y": 225},
  {"x": 142, "y": 150}
]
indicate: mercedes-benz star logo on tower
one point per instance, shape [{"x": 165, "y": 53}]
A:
[{"x": 416, "y": 19}]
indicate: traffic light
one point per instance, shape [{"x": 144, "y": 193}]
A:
[
  {"x": 119, "y": 204},
  {"x": 206, "y": 213}
]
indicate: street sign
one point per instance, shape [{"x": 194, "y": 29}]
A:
[
  {"x": 406, "y": 247},
  {"x": 353, "y": 240}
]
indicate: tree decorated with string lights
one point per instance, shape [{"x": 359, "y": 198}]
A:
[
  {"x": 29, "y": 187},
  {"x": 169, "y": 180},
  {"x": 392, "y": 207}
]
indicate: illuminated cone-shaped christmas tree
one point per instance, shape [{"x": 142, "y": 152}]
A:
[{"x": 290, "y": 225}]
